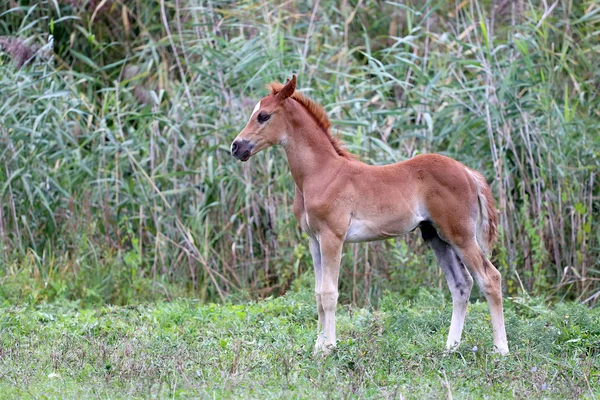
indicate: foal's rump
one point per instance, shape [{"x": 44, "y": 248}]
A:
[{"x": 458, "y": 200}]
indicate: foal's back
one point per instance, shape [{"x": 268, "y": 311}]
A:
[{"x": 434, "y": 181}]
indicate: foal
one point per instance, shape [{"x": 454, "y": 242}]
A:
[{"x": 340, "y": 199}]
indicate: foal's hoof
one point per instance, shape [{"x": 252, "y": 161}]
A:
[
  {"x": 323, "y": 349},
  {"x": 501, "y": 349},
  {"x": 452, "y": 347}
]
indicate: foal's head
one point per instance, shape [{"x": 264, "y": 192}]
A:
[{"x": 266, "y": 126}]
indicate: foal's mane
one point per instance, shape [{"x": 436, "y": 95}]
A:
[{"x": 319, "y": 115}]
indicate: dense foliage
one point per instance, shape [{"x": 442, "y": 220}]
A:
[{"x": 116, "y": 119}]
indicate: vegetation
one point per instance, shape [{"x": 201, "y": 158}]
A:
[
  {"x": 117, "y": 185},
  {"x": 264, "y": 350},
  {"x": 134, "y": 251}
]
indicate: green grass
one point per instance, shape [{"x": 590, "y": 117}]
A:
[
  {"x": 263, "y": 349},
  {"x": 116, "y": 187}
]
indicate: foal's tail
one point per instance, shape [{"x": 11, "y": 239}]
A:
[{"x": 487, "y": 220}]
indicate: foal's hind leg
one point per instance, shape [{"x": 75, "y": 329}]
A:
[
  {"x": 489, "y": 280},
  {"x": 459, "y": 281}
]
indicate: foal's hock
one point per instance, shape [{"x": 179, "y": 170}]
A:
[{"x": 340, "y": 199}]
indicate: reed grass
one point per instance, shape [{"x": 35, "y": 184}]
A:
[{"x": 117, "y": 185}]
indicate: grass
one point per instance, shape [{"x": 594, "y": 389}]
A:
[
  {"x": 116, "y": 187},
  {"x": 263, "y": 349}
]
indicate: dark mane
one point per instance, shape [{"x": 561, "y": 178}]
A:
[{"x": 319, "y": 115}]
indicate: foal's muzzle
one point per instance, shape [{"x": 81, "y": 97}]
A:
[{"x": 241, "y": 149}]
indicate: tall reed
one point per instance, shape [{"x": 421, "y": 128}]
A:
[{"x": 116, "y": 180}]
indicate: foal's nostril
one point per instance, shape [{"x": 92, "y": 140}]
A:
[{"x": 241, "y": 149}]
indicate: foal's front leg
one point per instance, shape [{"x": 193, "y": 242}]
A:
[
  {"x": 315, "y": 252},
  {"x": 331, "y": 253}
]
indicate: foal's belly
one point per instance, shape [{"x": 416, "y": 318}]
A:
[{"x": 367, "y": 231}]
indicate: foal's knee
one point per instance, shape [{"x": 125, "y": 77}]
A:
[
  {"x": 463, "y": 283},
  {"x": 468, "y": 280},
  {"x": 461, "y": 293},
  {"x": 492, "y": 282},
  {"x": 467, "y": 286},
  {"x": 329, "y": 300}
]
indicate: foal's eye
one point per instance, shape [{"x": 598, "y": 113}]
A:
[{"x": 263, "y": 117}]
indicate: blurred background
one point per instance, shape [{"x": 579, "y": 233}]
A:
[{"x": 116, "y": 116}]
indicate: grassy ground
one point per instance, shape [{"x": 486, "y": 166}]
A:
[{"x": 264, "y": 350}]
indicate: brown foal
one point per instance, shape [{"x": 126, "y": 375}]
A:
[{"x": 340, "y": 199}]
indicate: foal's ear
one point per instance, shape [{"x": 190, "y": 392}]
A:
[{"x": 288, "y": 89}]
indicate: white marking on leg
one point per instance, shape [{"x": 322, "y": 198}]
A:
[
  {"x": 460, "y": 284},
  {"x": 459, "y": 312},
  {"x": 331, "y": 252},
  {"x": 491, "y": 285},
  {"x": 329, "y": 301},
  {"x": 499, "y": 331},
  {"x": 315, "y": 252}
]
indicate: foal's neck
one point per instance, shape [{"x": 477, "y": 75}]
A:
[{"x": 307, "y": 145}]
